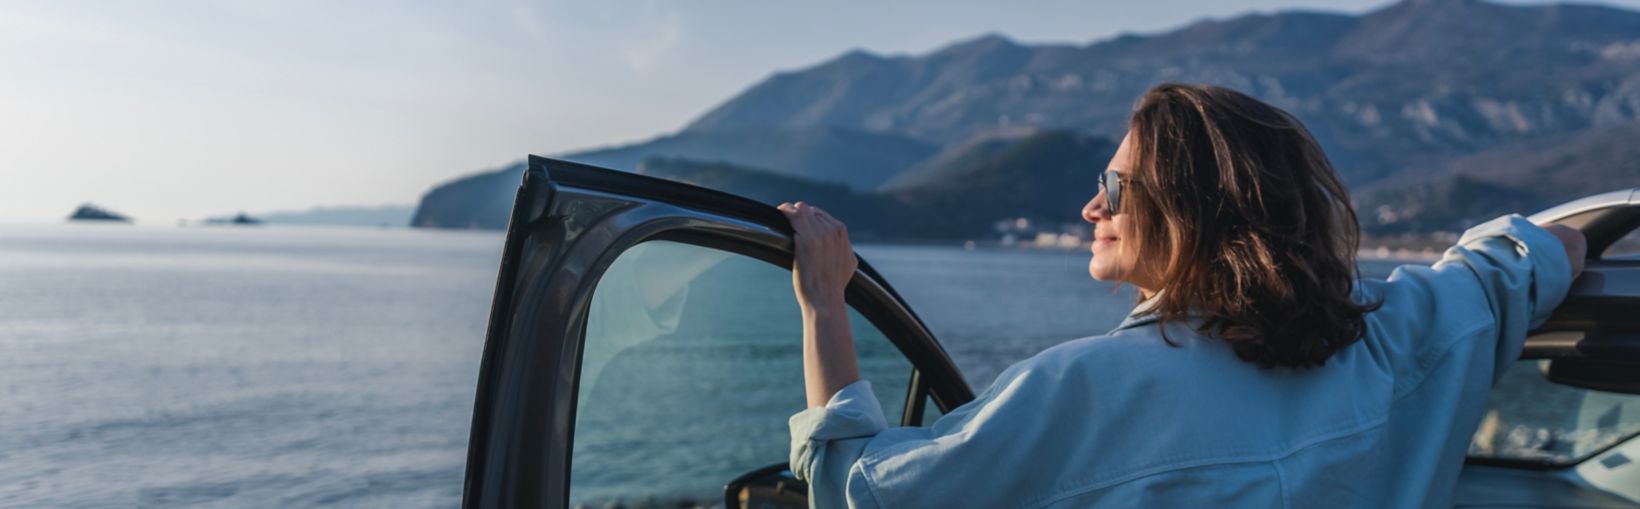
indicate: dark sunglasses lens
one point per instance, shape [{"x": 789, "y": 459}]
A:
[{"x": 1112, "y": 182}]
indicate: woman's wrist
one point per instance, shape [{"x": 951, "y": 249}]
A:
[{"x": 824, "y": 309}]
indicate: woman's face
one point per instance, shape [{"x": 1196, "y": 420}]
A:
[{"x": 1115, "y": 258}]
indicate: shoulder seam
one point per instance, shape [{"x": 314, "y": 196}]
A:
[{"x": 1281, "y": 482}]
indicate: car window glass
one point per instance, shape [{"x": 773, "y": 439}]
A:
[
  {"x": 931, "y": 411},
  {"x": 692, "y": 366},
  {"x": 1529, "y": 418},
  {"x": 1627, "y": 248}
]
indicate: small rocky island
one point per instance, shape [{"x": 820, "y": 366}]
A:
[
  {"x": 240, "y": 219},
  {"x": 90, "y": 212}
]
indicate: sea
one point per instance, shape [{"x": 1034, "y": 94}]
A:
[{"x": 293, "y": 367}]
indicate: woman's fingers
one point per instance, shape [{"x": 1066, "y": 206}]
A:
[
  {"x": 804, "y": 229},
  {"x": 797, "y": 212},
  {"x": 824, "y": 260},
  {"x": 811, "y": 222},
  {"x": 815, "y": 228}
]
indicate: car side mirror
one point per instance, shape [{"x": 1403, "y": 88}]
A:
[
  {"x": 1600, "y": 375},
  {"x": 771, "y": 487}
]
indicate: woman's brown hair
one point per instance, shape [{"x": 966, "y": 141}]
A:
[{"x": 1249, "y": 229}]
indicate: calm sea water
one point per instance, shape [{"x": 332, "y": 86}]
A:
[
  {"x": 166, "y": 367},
  {"x": 289, "y": 367}
]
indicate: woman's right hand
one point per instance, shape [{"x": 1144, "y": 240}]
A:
[
  {"x": 1577, "y": 247},
  {"x": 825, "y": 259}
]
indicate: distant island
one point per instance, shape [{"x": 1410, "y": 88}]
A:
[
  {"x": 240, "y": 219},
  {"x": 90, "y": 212}
]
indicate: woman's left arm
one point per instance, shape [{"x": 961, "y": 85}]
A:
[{"x": 824, "y": 264}]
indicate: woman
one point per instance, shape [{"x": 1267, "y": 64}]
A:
[{"x": 1255, "y": 371}]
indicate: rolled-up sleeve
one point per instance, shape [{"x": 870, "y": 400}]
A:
[
  {"x": 1523, "y": 271},
  {"x": 827, "y": 441},
  {"x": 1502, "y": 279}
]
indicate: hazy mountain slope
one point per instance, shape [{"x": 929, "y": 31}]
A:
[
  {"x": 978, "y": 147},
  {"x": 1042, "y": 178},
  {"x": 759, "y": 184},
  {"x": 480, "y": 201},
  {"x": 852, "y": 158},
  {"x": 1402, "y": 98},
  {"x": 861, "y": 211},
  {"x": 858, "y": 159},
  {"x": 1523, "y": 177},
  {"x": 1412, "y": 82},
  {"x": 1045, "y": 178}
]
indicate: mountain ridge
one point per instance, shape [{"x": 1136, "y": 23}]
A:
[
  {"x": 1037, "y": 177},
  {"x": 1419, "y": 78},
  {"x": 1408, "y": 89}
]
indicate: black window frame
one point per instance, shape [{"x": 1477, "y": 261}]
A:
[{"x": 569, "y": 222}]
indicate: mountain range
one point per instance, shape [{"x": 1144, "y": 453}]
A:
[
  {"x": 1437, "y": 113},
  {"x": 1040, "y": 178}
]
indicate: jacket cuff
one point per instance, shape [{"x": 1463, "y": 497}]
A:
[
  {"x": 852, "y": 413},
  {"x": 1551, "y": 269}
]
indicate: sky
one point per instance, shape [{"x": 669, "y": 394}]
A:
[{"x": 193, "y": 108}]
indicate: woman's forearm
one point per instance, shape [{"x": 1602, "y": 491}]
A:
[
  {"x": 828, "y": 353},
  {"x": 823, "y": 261}
]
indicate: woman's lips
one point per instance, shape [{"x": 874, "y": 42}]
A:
[{"x": 1100, "y": 241}]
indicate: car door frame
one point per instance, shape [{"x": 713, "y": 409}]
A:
[
  {"x": 1596, "y": 321},
  {"x": 1597, "y": 318},
  {"x": 568, "y": 224}
]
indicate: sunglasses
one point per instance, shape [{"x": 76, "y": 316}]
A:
[{"x": 1111, "y": 183}]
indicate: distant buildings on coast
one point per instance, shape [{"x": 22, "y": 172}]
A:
[{"x": 1023, "y": 232}]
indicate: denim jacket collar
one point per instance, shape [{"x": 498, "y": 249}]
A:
[{"x": 1141, "y": 315}]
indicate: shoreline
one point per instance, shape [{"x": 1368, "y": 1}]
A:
[{"x": 1375, "y": 253}]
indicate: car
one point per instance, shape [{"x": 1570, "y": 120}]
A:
[{"x": 595, "y": 389}]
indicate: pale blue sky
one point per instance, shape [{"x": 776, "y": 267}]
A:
[{"x": 184, "y": 109}]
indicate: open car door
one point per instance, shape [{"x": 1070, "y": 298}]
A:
[
  {"x": 645, "y": 348},
  {"x": 1562, "y": 425}
]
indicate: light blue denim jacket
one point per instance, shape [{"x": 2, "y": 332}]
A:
[{"x": 1125, "y": 420}]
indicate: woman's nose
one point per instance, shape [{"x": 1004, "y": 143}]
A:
[{"x": 1095, "y": 211}]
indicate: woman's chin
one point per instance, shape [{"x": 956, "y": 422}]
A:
[{"x": 1100, "y": 273}]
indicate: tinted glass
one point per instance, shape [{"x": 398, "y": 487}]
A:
[
  {"x": 1529, "y": 418},
  {"x": 1627, "y": 248},
  {"x": 931, "y": 411},
  {"x": 692, "y": 366}
]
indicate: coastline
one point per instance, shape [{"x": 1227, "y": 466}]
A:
[{"x": 1384, "y": 252}]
